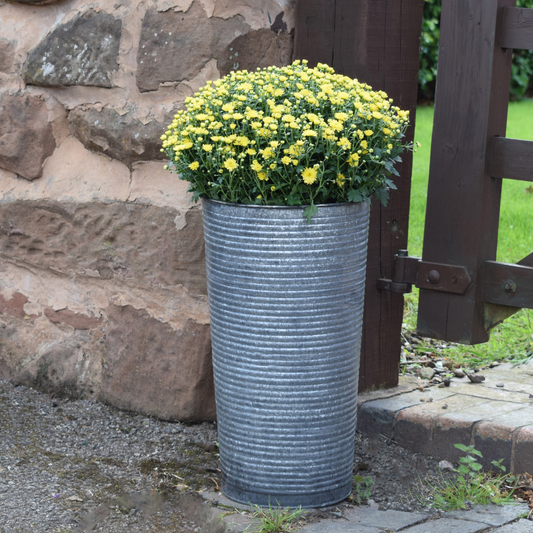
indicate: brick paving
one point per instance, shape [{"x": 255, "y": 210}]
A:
[{"x": 496, "y": 416}]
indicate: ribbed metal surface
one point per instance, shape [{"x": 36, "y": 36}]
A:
[{"x": 286, "y": 306}]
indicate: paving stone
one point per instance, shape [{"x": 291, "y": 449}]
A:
[
  {"x": 488, "y": 390},
  {"x": 493, "y": 437},
  {"x": 522, "y": 526},
  {"x": 376, "y": 417},
  {"x": 447, "y": 525},
  {"x": 493, "y": 515},
  {"x": 456, "y": 426},
  {"x": 393, "y": 520},
  {"x": 523, "y": 456},
  {"x": 414, "y": 427},
  {"x": 338, "y": 526}
]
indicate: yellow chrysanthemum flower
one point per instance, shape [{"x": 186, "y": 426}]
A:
[
  {"x": 207, "y": 147},
  {"x": 256, "y": 165},
  {"x": 344, "y": 143},
  {"x": 230, "y": 164},
  {"x": 194, "y": 165},
  {"x": 353, "y": 160},
  {"x": 341, "y": 179},
  {"x": 309, "y": 175}
]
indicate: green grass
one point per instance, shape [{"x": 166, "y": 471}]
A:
[
  {"x": 275, "y": 519},
  {"x": 513, "y": 339}
]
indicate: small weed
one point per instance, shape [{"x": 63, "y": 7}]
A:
[
  {"x": 274, "y": 519},
  {"x": 473, "y": 486},
  {"x": 363, "y": 489}
]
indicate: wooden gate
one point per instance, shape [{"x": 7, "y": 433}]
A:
[
  {"x": 376, "y": 41},
  {"x": 463, "y": 290}
]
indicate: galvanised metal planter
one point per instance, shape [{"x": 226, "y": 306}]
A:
[{"x": 286, "y": 305}]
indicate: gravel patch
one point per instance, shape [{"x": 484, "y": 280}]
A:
[{"x": 78, "y": 465}]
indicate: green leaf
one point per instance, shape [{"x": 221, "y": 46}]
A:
[
  {"x": 383, "y": 195},
  {"x": 354, "y": 196},
  {"x": 309, "y": 212},
  {"x": 462, "y": 447}
]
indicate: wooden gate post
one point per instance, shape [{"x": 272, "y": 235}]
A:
[
  {"x": 463, "y": 199},
  {"x": 377, "y": 42}
]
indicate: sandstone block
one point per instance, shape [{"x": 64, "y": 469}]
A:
[
  {"x": 157, "y": 370},
  {"x": 7, "y": 55},
  {"x": 81, "y": 51},
  {"x": 257, "y": 49},
  {"x": 75, "y": 320},
  {"x": 26, "y": 135},
  {"x": 121, "y": 137},
  {"x": 175, "y": 46},
  {"x": 140, "y": 244},
  {"x": 36, "y": 2}
]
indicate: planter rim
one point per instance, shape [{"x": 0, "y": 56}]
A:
[{"x": 336, "y": 204}]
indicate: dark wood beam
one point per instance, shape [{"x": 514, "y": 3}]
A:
[
  {"x": 516, "y": 30},
  {"x": 507, "y": 284},
  {"x": 510, "y": 158}
]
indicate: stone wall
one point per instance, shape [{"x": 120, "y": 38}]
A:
[{"x": 102, "y": 275}]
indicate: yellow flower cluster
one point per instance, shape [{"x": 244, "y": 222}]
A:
[{"x": 286, "y": 136}]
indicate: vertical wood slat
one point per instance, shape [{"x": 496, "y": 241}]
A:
[
  {"x": 517, "y": 28},
  {"x": 377, "y": 42},
  {"x": 463, "y": 200}
]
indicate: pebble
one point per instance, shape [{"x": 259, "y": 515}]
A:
[
  {"x": 476, "y": 378},
  {"x": 446, "y": 465},
  {"x": 427, "y": 372},
  {"x": 500, "y": 384}
]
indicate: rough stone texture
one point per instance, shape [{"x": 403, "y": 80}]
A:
[
  {"x": 258, "y": 13},
  {"x": 24, "y": 123},
  {"x": 36, "y": 2},
  {"x": 75, "y": 320},
  {"x": 523, "y": 458},
  {"x": 50, "y": 357},
  {"x": 7, "y": 55},
  {"x": 257, "y": 49},
  {"x": 81, "y": 51},
  {"x": 122, "y": 137},
  {"x": 493, "y": 515},
  {"x": 175, "y": 46},
  {"x": 15, "y": 306},
  {"x": 135, "y": 243},
  {"x": 154, "y": 369}
]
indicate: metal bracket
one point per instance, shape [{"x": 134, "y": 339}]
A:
[{"x": 409, "y": 271}]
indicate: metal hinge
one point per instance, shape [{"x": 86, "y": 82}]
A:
[{"x": 409, "y": 271}]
